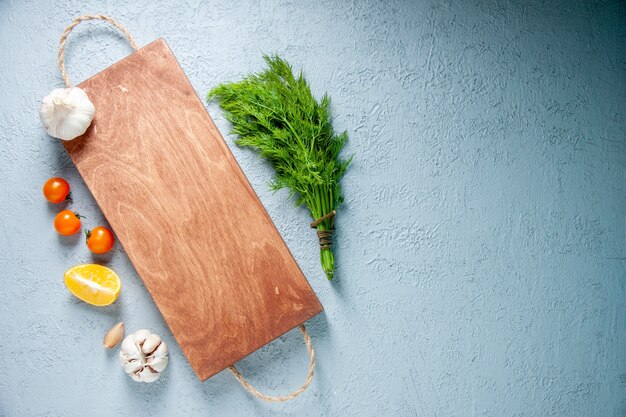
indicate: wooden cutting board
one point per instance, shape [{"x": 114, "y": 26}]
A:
[{"x": 190, "y": 222}]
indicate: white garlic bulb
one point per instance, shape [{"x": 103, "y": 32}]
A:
[
  {"x": 66, "y": 113},
  {"x": 143, "y": 356}
]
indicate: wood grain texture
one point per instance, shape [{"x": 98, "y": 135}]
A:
[{"x": 190, "y": 222}]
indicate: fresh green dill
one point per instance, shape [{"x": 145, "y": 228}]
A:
[{"x": 275, "y": 113}]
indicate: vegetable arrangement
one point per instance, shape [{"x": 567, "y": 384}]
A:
[
  {"x": 143, "y": 355},
  {"x": 94, "y": 284},
  {"x": 275, "y": 113},
  {"x": 67, "y": 222}
]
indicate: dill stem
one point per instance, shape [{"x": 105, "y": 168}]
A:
[{"x": 323, "y": 205}]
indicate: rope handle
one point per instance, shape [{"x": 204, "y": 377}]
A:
[
  {"x": 75, "y": 23},
  {"x": 282, "y": 398}
]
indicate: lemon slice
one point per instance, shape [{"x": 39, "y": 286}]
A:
[{"x": 94, "y": 284}]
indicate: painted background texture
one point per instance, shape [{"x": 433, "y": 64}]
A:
[{"x": 482, "y": 246}]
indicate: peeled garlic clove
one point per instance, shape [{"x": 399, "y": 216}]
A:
[
  {"x": 150, "y": 344},
  {"x": 66, "y": 113},
  {"x": 114, "y": 336}
]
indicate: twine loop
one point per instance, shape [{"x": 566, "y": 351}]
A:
[
  {"x": 325, "y": 236},
  {"x": 75, "y": 23},
  {"x": 282, "y": 398}
]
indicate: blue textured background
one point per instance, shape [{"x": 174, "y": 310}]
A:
[{"x": 482, "y": 246}]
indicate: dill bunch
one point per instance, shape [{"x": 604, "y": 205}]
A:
[{"x": 275, "y": 113}]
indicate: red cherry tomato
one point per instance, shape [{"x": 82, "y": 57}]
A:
[
  {"x": 99, "y": 240},
  {"x": 56, "y": 190},
  {"x": 67, "y": 222}
]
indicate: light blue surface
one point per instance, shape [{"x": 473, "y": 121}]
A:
[{"x": 481, "y": 250}]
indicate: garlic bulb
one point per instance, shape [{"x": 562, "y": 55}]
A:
[
  {"x": 143, "y": 356},
  {"x": 66, "y": 113}
]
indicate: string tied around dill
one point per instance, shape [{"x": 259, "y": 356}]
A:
[{"x": 325, "y": 236}]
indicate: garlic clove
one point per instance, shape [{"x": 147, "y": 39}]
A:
[
  {"x": 130, "y": 348},
  {"x": 147, "y": 374},
  {"x": 140, "y": 336},
  {"x": 125, "y": 358},
  {"x": 66, "y": 113},
  {"x": 158, "y": 364},
  {"x": 114, "y": 336},
  {"x": 161, "y": 351},
  {"x": 150, "y": 344},
  {"x": 132, "y": 366}
]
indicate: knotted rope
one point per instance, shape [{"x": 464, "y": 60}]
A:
[{"x": 307, "y": 338}]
